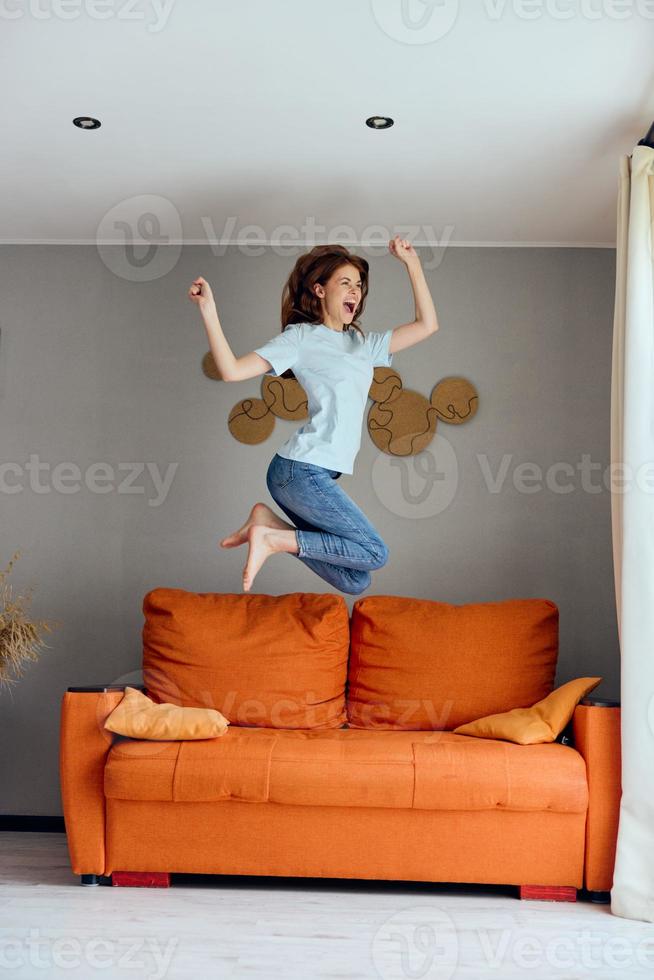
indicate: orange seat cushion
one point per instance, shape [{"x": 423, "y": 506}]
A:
[
  {"x": 260, "y": 660},
  {"x": 417, "y": 664},
  {"x": 350, "y": 767}
]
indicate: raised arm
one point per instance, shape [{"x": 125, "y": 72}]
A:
[
  {"x": 426, "y": 321},
  {"x": 230, "y": 367}
]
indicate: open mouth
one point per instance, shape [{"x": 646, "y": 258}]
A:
[{"x": 349, "y": 306}]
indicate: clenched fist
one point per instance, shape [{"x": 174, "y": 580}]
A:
[
  {"x": 200, "y": 293},
  {"x": 403, "y": 250}
]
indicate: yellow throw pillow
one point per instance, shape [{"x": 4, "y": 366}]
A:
[
  {"x": 543, "y": 722},
  {"x": 139, "y": 717}
]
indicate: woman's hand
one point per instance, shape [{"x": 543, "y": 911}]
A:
[
  {"x": 403, "y": 250},
  {"x": 200, "y": 294}
]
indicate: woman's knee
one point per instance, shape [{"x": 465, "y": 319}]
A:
[{"x": 357, "y": 583}]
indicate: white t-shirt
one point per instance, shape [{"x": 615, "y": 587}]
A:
[{"x": 335, "y": 370}]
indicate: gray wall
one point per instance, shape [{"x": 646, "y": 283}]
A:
[{"x": 97, "y": 368}]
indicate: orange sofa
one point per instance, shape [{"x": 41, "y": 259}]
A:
[{"x": 340, "y": 760}]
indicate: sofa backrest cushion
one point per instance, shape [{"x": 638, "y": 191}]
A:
[
  {"x": 261, "y": 660},
  {"x": 418, "y": 664}
]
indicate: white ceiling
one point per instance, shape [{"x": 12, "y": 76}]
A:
[{"x": 510, "y": 119}]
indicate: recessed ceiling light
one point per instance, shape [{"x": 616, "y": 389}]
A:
[
  {"x": 86, "y": 122},
  {"x": 379, "y": 122}
]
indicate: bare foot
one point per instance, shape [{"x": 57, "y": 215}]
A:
[
  {"x": 263, "y": 542},
  {"x": 260, "y": 514}
]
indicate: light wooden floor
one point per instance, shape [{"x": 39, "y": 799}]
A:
[{"x": 278, "y": 928}]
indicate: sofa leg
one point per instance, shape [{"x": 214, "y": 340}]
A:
[
  {"x": 600, "y": 897},
  {"x": 94, "y": 880},
  {"x": 549, "y": 893},
  {"x": 141, "y": 879}
]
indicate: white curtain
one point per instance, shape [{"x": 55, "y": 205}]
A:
[{"x": 632, "y": 512}]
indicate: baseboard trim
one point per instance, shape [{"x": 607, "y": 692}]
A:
[{"x": 50, "y": 825}]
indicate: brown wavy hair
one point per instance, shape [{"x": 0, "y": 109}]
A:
[{"x": 299, "y": 301}]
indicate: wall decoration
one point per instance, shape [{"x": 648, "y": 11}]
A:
[
  {"x": 401, "y": 422},
  {"x": 209, "y": 367},
  {"x": 251, "y": 421},
  {"x": 285, "y": 397},
  {"x": 386, "y": 384},
  {"x": 403, "y": 426},
  {"x": 455, "y": 400}
]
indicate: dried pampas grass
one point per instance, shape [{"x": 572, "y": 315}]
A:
[{"x": 20, "y": 639}]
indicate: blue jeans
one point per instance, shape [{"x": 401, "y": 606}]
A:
[{"x": 335, "y": 538}]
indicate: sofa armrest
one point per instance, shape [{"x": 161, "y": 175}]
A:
[
  {"x": 84, "y": 744},
  {"x": 105, "y": 687},
  {"x": 597, "y": 737}
]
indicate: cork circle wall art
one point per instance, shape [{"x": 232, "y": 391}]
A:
[{"x": 401, "y": 422}]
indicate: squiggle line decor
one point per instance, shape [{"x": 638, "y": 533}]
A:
[
  {"x": 401, "y": 422},
  {"x": 251, "y": 421},
  {"x": 455, "y": 400},
  {"x": 404, "y": 425},
  {"x": 285, "y": 397}
]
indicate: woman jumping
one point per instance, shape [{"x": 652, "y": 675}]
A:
[{"x": 333, "y": 360}]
